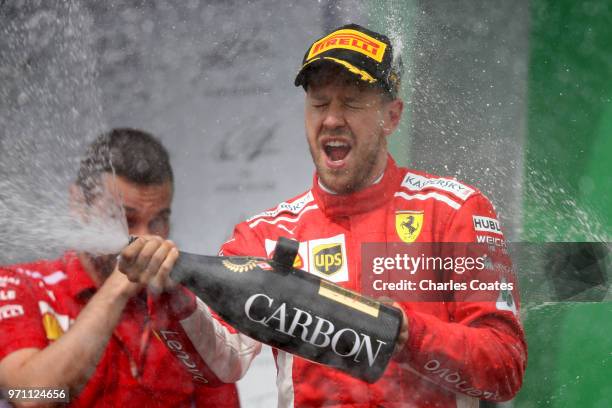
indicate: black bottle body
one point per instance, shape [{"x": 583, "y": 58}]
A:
[{"x": 295, "y": 311}]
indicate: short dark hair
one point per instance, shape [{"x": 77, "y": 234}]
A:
[{"x": 130, "y": 153}]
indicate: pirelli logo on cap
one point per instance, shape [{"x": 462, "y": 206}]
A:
[{"x": 350, "y": 40}]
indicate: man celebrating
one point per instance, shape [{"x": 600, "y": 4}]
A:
[
  {"x": 449, "y": 354},
  {"x": 77, "y": 323}
]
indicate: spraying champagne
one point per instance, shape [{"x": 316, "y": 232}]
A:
[{"x": 295, "y": 311}]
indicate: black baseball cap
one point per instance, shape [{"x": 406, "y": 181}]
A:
[{"x": 365, "y": 53}]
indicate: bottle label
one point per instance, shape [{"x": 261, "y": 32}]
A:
[{"x": 349, "y": 298}]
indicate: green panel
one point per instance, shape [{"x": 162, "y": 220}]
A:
[
  {"x": 584, "y": 374},
  {"x": 541, "y": 328},
  {"x": 394, "y": 18},
  {"x": 596, "y": 183},
  {"x": 567, "y": 194},
  {"x": 570, "y": 97},
  {"x": 570, "y": 356}
]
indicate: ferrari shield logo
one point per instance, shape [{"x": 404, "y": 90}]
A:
[{"x": 408, "y": 224}]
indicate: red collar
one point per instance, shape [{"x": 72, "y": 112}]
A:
[
  {"x": 80, "y": 284},
  {"x": 374, "y": 196}
]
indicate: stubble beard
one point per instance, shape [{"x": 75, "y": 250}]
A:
[{"x": 341, "y": 181}]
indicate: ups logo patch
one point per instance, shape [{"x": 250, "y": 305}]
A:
[{"x": 328, "y": 258}]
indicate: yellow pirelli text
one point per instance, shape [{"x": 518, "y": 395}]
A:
[{"x": 350, "y": 40}]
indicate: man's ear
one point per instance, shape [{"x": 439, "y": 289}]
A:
[
  {"x": 77, "y": 202},
  {"x": 393, "y": 115}
]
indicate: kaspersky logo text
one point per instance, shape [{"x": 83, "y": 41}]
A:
[{"x": 314, "y": 330}]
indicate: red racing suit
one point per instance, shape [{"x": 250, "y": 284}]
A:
[
  {"x": 456, "y": 353},
  {"x": 40, "y": 301}
]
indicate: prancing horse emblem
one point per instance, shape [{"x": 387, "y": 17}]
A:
[{"x": 408, "y": 224}]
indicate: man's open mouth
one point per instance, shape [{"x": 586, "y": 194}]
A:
[{"x": 336, "y": 150}]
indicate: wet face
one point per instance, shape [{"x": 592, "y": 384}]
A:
[
  {"x": 147, "y": 211},
  {"x": 147, "y": 207},
  {"x": 347, "y": 125}
]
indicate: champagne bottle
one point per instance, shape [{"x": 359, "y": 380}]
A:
[{"x": 295, "y": 311}]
